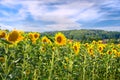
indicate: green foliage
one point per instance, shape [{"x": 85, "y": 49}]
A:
[{"x": 89, "y": 35}]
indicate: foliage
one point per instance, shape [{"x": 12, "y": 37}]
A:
[{"x": 90, "y": 35}]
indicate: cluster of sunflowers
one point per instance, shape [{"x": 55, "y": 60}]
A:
[
  {"x": 32, "y": 57},
  {"x": 16, "y": 36}
]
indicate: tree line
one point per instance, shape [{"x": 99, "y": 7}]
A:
[{"x": 84, "y": 35}]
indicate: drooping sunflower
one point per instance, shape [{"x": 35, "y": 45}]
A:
[
  {"x": 2, "y": 34},
  {"x": 45, "y": 40},
  {"x": 76, "y": 47},
  {"x": 14, "y": 36},
  {"x": 60, "y": 39}
]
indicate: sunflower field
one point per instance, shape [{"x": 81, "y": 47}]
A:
[{"x": 28, "y": 56}]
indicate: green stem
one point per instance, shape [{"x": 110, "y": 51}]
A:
[
  {"x": 84, "y": 67},
  {"x": 93, "y": 74},
  {"x": 52, "y": 64}
]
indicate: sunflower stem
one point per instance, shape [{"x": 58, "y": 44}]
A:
[
  {"x": 84, "y": 66},
  {"x": 52, "y": 65}
]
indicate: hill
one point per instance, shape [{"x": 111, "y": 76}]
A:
[{"x": 84, "y": 35}]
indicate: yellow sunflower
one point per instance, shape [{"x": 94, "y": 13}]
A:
[
  {"x": 14, "y": 36},
  {"x": 100, "y": 48},
  {"x": 86, "y": 45},
  {"x": 117, "y": 54},
  {"x": 43, "y": 49},
  {"x": 2, "y": 34},
  {"x": 60, "y": 39},
  {"x": 33, "y": 36},
  {"x": 94, "y": 42},
  {"x": 76, "y": 47},
  {"x": 100, "y": 42},
  {"x": 91, "y": 51},
  {"x": 109, "y": 52},
  {"x": 36, "y": 35},
  {"x": 45, "y": 40}
]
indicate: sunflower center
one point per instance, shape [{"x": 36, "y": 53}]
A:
[
  {"x": 59, "y": 39},
  {"x": 100, "y": 48},
  {"x": 91, "y": 50},
  {"x": 44, "y": 40},
  {"x": 75, "y": 47},
  {"x": 36, "y": 36}
]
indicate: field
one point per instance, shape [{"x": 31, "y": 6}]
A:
[{"x": 28, "y": 56}]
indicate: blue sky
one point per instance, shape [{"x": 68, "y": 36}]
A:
[{"x": 55, "y": 15}]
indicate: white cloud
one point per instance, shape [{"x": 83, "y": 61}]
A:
[
  {"x": 3, "y": 26},
  {"x": 64, "y": 15}
]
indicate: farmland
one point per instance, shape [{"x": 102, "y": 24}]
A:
[{"x": 30, "y": 56}]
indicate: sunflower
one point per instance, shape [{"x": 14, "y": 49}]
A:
[
  {"x": 100, "y": 48},
  {"x": 33, "y": 36},
  {"x": 60, "y": 39},
  {"x": 76, "y": 47},
  {"x": 117, "y": 54},
  {"x": 91, "y": 51},
  {"x": 45, "y": 40},
  {"x": 2, "y": 34},
  {"x": 14, "y": 36},
  {"x": 69, "y": 41},
  {"x": 109, "y": 52},
  {"x": 36, "y": 35},
  {"x": 27, "y": 72},
  {"x": 100, "y": 42},
  {"x": 94, "y": 42},
  {"x": 2, "y": 59},
  {"x": 86, "y": 45},
  {"x": 43, "y": 49}
]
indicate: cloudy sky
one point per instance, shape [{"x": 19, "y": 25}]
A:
[{"x": 52, "y": 15}]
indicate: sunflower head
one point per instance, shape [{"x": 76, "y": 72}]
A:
[
  {"x": 100, "y": 48},
  {"x": 14, "y": 36},
  {"x": 2, "y": 34},
  {"x": 94, "y": 42},
  {"x": 36, "y": 35},
  {"x": 27, "y": 72},
  {"x": 45, "y": 40},
  {"x": 117, "y": 54},
  {"x": 100, "y": 42},
  {"x": 33, "y": 37},
  {"x": 43, "y": 49},
  {"x": 70, "y": 41},
  {"x": 109, "y": 52},
  {"x": 86, "y": 45},
  {"x": 91, "y": 51},
  {"x": 2, "y": 59},
  {"x": 60, "y": 39},
  {"x": 76, "y": 47}
]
